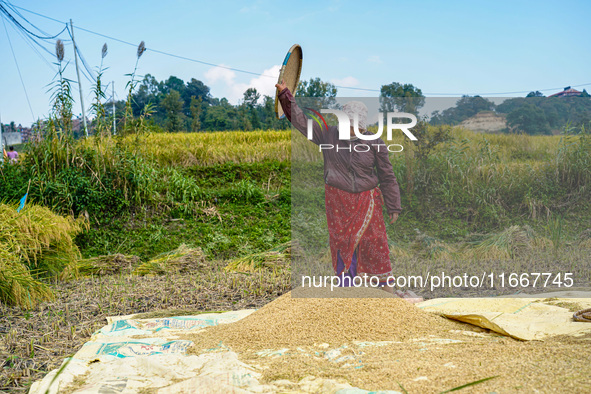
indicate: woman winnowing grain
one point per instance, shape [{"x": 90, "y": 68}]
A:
[{"x": 357, "y": 184}]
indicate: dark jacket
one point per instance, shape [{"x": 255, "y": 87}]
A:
[{"x": 347, "y": 169}]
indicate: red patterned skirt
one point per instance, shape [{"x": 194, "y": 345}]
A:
[{"x": 358, "y": 240}]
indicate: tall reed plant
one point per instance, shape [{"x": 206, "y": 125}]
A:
[
  {"x": 60, "y": 120},
  {"x": 101, "y": 124}
]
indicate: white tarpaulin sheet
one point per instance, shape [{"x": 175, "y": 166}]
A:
[{"x": 130, "y": 355}]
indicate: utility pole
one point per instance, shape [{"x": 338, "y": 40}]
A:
[
  {"x": 113, "y": 99},
  {"x": 79, "y": 84}
]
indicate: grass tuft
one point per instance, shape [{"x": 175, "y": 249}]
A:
[
  {"x": 107, "y": 265},
  {"x": 431, "y": 247},
  {"x": 35, "y": 244},
  {"x": 182, "y": 259},
  {"x": 509, "y": 243},
  {"x": 273, "y": 259}
]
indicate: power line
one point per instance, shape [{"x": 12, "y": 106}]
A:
[
  {"x": 14, "y": 10},
  {"x": 153, "y": 50},
  {"x": 475, "y": 94},
  {"x": 9, "y": 15},
  {"x": 211, "y": 64},
  {"x": 31, "y": 43},
  {"x": 29, "y": 37},
  {"x": 270, "y": 76},
  {"x": 32, "y": 39},
  {"x": 36, "y": 13},
  {"x": 18, "y": 69},
  {"x": 178, "y": 56},
  {"x": 86, "y": 71},
  {"x": 502, "y": 93}
]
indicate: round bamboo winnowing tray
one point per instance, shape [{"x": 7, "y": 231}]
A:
[{"x": 290, "y": 74}]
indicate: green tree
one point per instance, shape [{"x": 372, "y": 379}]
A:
[
  {"x": 196, "y": 108},
  {"x": 465, "y": 108},
  {"x": 151, "y": 91},
  {"x": 221, "y": 115},
  {"x": 529, "y": 119},
  {"x": 316, "y": 88},
  {"x": 537, "y": 93},
  {"x": 557, "y": 111},
  {"x": 173, "y": 83},
  {"x": 198, "y": 89},
  {"x": 173, "y": 105},
  {"x": 147, "y": 92},
  {"x": 244, "y": 120},
  {"x": 268, "y": 117},
  {"x": 251, "y": 97},
  {"x": 401, "y": 97},
  {"x": 250, "y": 100}
]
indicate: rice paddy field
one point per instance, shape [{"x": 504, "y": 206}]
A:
[
  {"x": 206, "y": 149},
  {"x": 171, "y": 224}
]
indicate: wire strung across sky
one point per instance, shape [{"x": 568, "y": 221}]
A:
[
  {"x": 18, "y": 69},
  {"x": 16, "y": 11},
  {"x": 35, "y": 46},
  {"x": 89, "y": 71},
  {"x": 86, "y": 71},
  {"x": 9, "y": 16},
  {"x": 35, "y": 41},
  {"x": 31, "y": 40}
]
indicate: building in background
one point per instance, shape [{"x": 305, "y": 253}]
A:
[
  {"x": 567, "y": 92},
  {"x": 12, "y": 138}
]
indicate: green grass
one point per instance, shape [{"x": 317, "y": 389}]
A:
[
  {"x": 247, "y": 193},
  {"x": 242, "y": 217}
]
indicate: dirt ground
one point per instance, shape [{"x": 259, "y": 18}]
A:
[{"x": 34, "y": 342}]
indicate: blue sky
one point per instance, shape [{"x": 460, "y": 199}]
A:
[{"x": 453, "y": 47}]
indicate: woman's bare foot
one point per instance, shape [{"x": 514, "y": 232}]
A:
[
  {"x": 387, "y": 288},
  {"x": 409, "y": 296}
]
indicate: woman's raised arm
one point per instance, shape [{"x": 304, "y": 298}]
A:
[{"x": 296, "y": 116}]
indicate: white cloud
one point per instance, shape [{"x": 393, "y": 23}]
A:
[
  {"x": 374, "y": 59},
  {"x": 263, "y": 83},
  {"x": 347, "y": 82},
  {"x": 225, "y": 80},
  {"x": 217, "y": 73}
]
